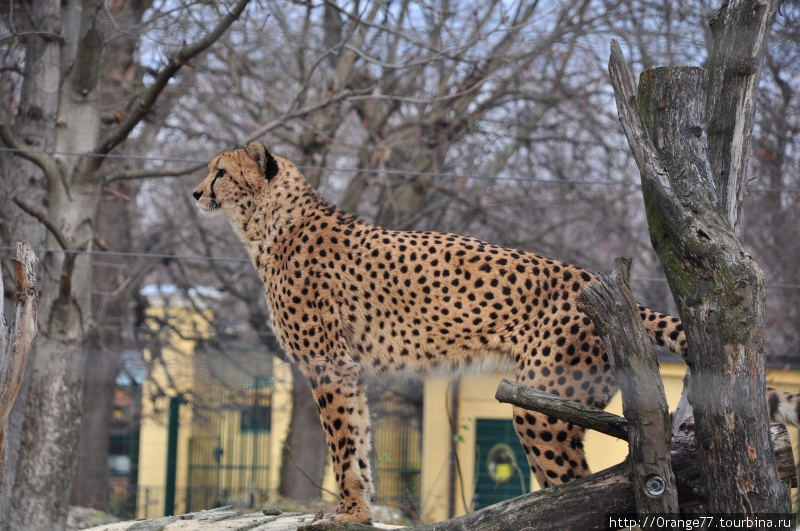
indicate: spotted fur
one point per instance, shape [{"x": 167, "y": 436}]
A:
[{"x": 350, "y": 300}]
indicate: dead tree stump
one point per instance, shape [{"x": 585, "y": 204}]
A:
[{"x": 16, "y": 341}]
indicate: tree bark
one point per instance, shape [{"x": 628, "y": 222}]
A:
[
  {"x": 92, "y": 475},
  {"x": 35, "y": 124},
  {"x": 611, "y": 307},
  {"x": 35, "y": 121},
  {"x": 717, "y": 286},
  {"x": 16, "y": 341},
  {"x": 740, "y": 29},
  {"x": 50, "y": 430}
]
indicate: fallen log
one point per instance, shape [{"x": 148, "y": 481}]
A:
[{"x": 584, "y": 504}]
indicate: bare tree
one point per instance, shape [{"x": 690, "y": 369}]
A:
[{"x": 69, "y": 156}]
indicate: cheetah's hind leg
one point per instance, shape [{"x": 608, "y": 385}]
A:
[{"x": 554, "y": 448}]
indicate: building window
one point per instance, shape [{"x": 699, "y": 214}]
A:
[{"x": 256, "y": 419}]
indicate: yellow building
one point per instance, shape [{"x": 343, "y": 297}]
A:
[
  {"x": 485, "y": 426},
  {"x": 214, "y": 414}
]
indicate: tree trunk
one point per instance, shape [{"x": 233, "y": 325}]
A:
[
  {"x": 719, "y": 289},
  {"x": 34, "y": 495},
  {"x": 45, "y": 464},
  {"x": 50, "y": 430},
  {"x": 305, "y": 450},
  {"x": 35, "y": 124},
  {"x": 92, "y": 475}
]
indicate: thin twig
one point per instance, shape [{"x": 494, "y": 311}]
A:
[
  {"x": 305, "y": 475},
  {"x": 148, "y": 99},
  {"x": 149, "y": 173}
]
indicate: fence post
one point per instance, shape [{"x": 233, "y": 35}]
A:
[{"x": 172, "y": 455}]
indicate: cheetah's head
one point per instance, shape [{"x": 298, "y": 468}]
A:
[{"x": 235, "y": 178}]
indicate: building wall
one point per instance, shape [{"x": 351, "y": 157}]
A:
[
  {"x": 477, "y": 401},
  {"x": 179, "y": 371},
  {"x": 176, "y": 371}
]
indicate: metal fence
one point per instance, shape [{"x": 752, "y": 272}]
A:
[{"x": 396, "y": 411}]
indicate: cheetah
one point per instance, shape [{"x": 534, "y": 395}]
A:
[{"x": 349, "y": 300}]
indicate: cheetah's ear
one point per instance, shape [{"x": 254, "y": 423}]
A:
[{"x": 263, "y": 158}]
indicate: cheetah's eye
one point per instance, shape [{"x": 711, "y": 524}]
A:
[{"x": 220, "y": 173}]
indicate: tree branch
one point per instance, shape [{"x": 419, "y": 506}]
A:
[
  {"x": 610, "y": 305},
  {"x": 124, "y": 175},
  {"x": 740, "y": 29},
  {"x": 298, "y": 113},
  {"x": 28, "y": 152},
  {"x": 15, "y": 36},
  {"x": 562, "y": 408},
  {"x": 644, "y": 152},
  {"x": 145, "y": 104},
  {"x": 44, "y": 220}
]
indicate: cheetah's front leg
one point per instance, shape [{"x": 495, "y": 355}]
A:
[{"x": 344, "y": 418}]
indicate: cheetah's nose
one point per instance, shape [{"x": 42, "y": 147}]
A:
[{"x": 197, "y": 194}]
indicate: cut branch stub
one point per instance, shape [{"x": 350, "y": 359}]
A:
[
  {"x": 562, "y": 408},
  {"x": 615, "y": 314}
]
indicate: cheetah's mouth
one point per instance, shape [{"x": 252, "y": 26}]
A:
[{"x": 208, "y": 207}]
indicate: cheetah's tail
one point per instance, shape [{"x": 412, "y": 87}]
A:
[
  {"x": 784, "y": 407},
  {"x": 667, "y": 332}
]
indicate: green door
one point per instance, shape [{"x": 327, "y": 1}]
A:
[{"x": 502, "y": 468}]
